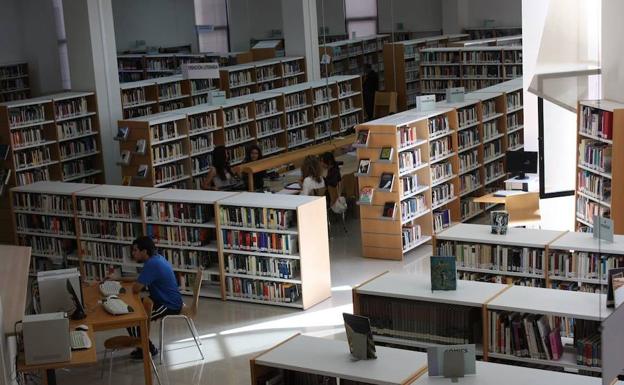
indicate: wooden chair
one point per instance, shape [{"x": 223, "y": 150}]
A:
[
  {"x": 127, "y": 342},
  {"x": 523, "y": 209},
  {"x": 188, "y": 314}
]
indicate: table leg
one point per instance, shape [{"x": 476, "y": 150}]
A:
[
  {"x": 147, "y": 368},
  {"x": 50, "y": 377}
]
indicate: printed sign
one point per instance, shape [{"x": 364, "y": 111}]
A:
[
  {"x": 425, "y": 103},
  {"x": 216, "y": 97},
  {"x": 455, "y": 95},
  {"x": 200, "y": 70},
  {"x": 603, "y": 228}
]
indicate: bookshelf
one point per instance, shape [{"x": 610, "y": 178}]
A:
[
  {"x": 488, "y": 309},
  {"x": 269, "y": 122},
  {"x": 599, "y": 139},
  {"x": 238, "y": 128},
  {"x": 298, "y": 114},
  {"x": 312, "y": 360},
  {"x": 578, "y": 261},
  {"x": 159, "y": 149},
  {"x": 14, "y": 82},
  {"x": 44, "y": 219},
  {"x": 425, "y": 168},
  {"x": 492, "y": 32},
  {"x": 173, "y": 93},
  {"x": 78, "y": 137},
  {"x": 268, "y": 49},
  {"x": 520, "y": 257},
  {"x": 131, "y": 67},
  {"x": 274, "y": 252},
  {"x": 473, "y": 68},
  {"x": 139, "y": 98},
  {"x": 350, "y": 111},
  {"x": 184, "y": 229},
  {"x": 494, "y": 41}
]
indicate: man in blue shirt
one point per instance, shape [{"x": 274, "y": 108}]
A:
[{"x": 157, "y": 276}]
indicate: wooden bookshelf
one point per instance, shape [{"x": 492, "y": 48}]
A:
[
  {"x": 268, "y": 49},
  {"x": 325, "y": 109},
  {"x": 306, "y": 360},
  {"x": 14, "y": 82},
  {"x": 289, "y": 233},
  {"x": 519, "y": 257},
  {"x": 494, "y": 41},
  {"x": 131, "y": 67},
  {"x": 174, "y": 93},
  {"x": 139, "y": 98},
  {"x": 599, "y": 177},
  {"x": 492, "y": 32},
  {"x": 298, "y": 115},
  {"x": 263, "y": 75},
  {"x": 238, "y": 128},
  {"x": 477, "y": 309},
  {"x": 166, "y": 158},
  {"x": 293, "y": 71},
  {"x": 78, "y": 137},
  {"x": 269, "y": 122}
]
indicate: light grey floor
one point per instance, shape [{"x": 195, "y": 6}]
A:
[{"x": 234, "y": 332}]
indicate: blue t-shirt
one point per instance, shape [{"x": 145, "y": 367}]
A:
[{"x": 158, "y": 276}]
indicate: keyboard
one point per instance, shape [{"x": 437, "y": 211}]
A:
[
  {"x": 116, "y": 306},
  {"x": 109, "y": 288},
  {"x": 79, "y": 339}
]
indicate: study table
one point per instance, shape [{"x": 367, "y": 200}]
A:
[{"x": 99, "y": 320}]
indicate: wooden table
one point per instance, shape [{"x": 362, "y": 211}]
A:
[
  {"x": 99, "y": 320},
  {"x": 252, "y": 168}
]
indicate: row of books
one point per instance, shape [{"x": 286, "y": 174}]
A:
[
  {"x": 514, "y": 100},
  {"x": 167, "y": 173},
  {"x": 78, "y": 147},
  {"x": 597, "y": 122},
  {"x": 262, "y": 290},
  {"x": 29, "y": 177},
  {"x": 164, "y": 131},
  {"x": 164, "y": 235},
  {"x": 265, "y": 73},
  {"x": 453, "y": 71},
  {"x": 236, "y": 115},
  {"x": 54, "y": 247},
  {"x": 139, "y": 111},
  {"x": 321, "y": 94},
  {"x": 442, "y": 193},
  {"x": 295, "y": 100},
  {"x": 98, "y": 271},
  {"x": 488, "y": 108},
  {"x": 583, "y": 265},
  {"x": 481, "y": 71},
  {"x": 105, "y": 251},
  {"x": 200, "y": 164},
  {"x": 322, "y": 111},
  {"x": 167, "y": 151},
  {"x": 468, "y": 160},
  {"x": 441, "y": 171},
  {"x": 594, "y": 185},
  {"x": 296, "y": 118},
  {"x": 494, "y": 170},
  {"x": 595, "y": 154},
  {"x": 515, "y": 139},
  {"x": 495, "y": 257},
  {"x": 175, "y": 212},
  {"x": 438, "y": 125},
  {"x": 410, "y": 234},
  {"x": 199, "y": 85},
  {"x": 169, "y": 90},
  {"x": 259, "y": 241},
  {"x": 492, "y": 149},
  {"x": 133, "y": 96},
  {"x": 240, "y": 78},
  {"x": 269, "y": 145},
  {"x": 267, "y": 126},
  {"x": 409, "y": 159},
  {"x": 441, "y": 220},
  {"x": 347, "y": 104},
  {"x": 266, "y": 107},
  {"x": 495, "y": 278},
  {"x": 26, "y": 115},
  {"x": 32, "y": 157},
  {"x": 262, "y": 266},
  {"x": 412, "y": 207},
  {"x": 490, "y": 129},
  {"x": 467, "y": 116},
  {"x": 27, "y": 137},
  {"x": 514, "y": 120},
  {"x": 440, "y": 148},
  {"x": 202, "y": 143},
  {"x": 189, "y": 259},
  {"x": 407, "y": 136},
  {"x": 125, "y": 231},
  {"x": 43, "y": 203},
  {"x": 408, "y": 184},
  {"x": 468, "y": 208},
  {"x": 108, "y": 208},
  {"x": 467, "y": 138},
  {"x": 237, "y": 154},
  {"x": 349, "y": 121},
  {"x": 469, "y": 182},
  {"x": 200, "y": 122},
  {"x": 45, "y": 224},
  {"x": 586, "y": 209},
  {"x": 72, "y": 128},
  {"x": 78, "y": 167},
  {"x": 323, "y": 130},
  {"x": 68, "y": 108}
]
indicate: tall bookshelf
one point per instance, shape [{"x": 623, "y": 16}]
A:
[
  {"x": 78, "y": 137},
  {"x": 269, "y": 122},
  {"x": 324, "y": 109},
  {"x": 159, "y": 151},
  {"x": 238, "y": 128},
  {"x": 274, "y": 252},
  {"x": 281, "y": 257},
  {"x": 599, "y": 179},
  {"x": 519, "y": 257},
  {"x": 14, "y": 82},
  {"x": 424, "y": 168},
  {"x": 483, "y": 313},
  {"x": 262, "y": 75},
  {"x": 139, "y": 98},
  {"x": 298, "y": 115},
  {"x": 174, "y": 93}
]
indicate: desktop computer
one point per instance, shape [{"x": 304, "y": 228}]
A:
[
  {"x": 54, "y": 295},
  {"x": 520, "y": 163},
  {"x": 46, "y": 338}
]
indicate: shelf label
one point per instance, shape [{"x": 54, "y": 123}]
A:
[
  {"x": 455, "y": 95},
  {"x": 425, "y": 103},
  {"x": 200, "y": 70},
  {"x": 216, "y": 97},
  {"x": 603, "y": 228}
]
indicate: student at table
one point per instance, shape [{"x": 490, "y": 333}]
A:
[
  {"x": 311, "y": 173},
  {"x": 253, "y": 154},
  {"x": 221, "y": 176},
  {"x": 333, "y": 177}
]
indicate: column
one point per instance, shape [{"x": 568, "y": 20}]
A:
[
  {"x": 454, "y": 16},
  {"x": 93, "y": 67},
  {"x": 301, "y": 33}
]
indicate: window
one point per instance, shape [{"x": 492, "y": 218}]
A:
[
  {"x": 212, "y": 25},
  {"x": 361, "y": 17}
]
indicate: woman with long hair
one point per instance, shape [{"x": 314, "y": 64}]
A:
[
  {"x": 254, "y": 153},
  {"x": 220, "y": 176},
  {"x": 312, "y": 175}
]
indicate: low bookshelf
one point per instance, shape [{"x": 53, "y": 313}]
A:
[
  {"x": 274, "y": 252},
  {"x": 14, "y": 82},
  {"x": 139, "y": 98},
  {"x": 173, "y": 93},
  {"x": 492, "y": 32},
  {"x": 498, "y": 318},
  {"x": 519, "y": 257}
]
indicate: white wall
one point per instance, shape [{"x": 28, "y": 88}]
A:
[
  {"x": 416, "y": 15},
  {"x": 506, "y": 13},
  {"x": 612, "y": 66},
  {"x": 11, "y": 44},
  {"x": 333, "y": 17},
  {"x": 252, "y": 19},
  {"x": 160, "y": 23}
]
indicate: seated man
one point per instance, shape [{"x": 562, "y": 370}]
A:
[{"x": 157, "y": 276}]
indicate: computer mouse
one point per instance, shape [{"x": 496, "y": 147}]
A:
[{"x": 83, "y": 327}]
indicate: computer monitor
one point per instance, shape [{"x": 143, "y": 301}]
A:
[
  {"x": 359, "y": 337},
  {"x": 520, "y": 163},
  {"x": 79, "y": 312}
]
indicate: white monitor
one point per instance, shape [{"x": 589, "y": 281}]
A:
[{"x": 53, "y": 294}]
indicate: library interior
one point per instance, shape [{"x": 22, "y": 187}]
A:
[{"x": 311, "y": 192}]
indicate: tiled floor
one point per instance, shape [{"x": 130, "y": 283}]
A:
[{"x": 233, "y": 332}]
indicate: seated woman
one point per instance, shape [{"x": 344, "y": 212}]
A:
[
  {"x": 253, "y": 154},
  {"x": 333, "y": 177},
  {"x": 311, "y": 175},
  {"x": 221, "y": 176}
]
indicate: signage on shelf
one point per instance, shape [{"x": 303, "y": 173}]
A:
[
  {"x": 425, "y": 103},
  {"x": 216, "y": 97},
  {"x": 603, "y": 228},
  {"x": 200, "y": 70},
  {"x": 455, "y": 95}
]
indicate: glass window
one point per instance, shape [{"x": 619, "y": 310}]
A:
[
  {"x": 362, "y": 28},
  {"x": 361, "y": 17},
  {"x": 212, "y": 24}
]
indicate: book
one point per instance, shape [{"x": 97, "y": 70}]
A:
[
  {"x": 556, "y": 346},
  {"x": 386, "y": 153},
  {"x": 443, "y": 273},
  {"x": 124, "y": 158},
  {"x": 141, "y": 146},
  {"x": 366, "y": 195},
  {"x": 142, "y": 172},
  {"x": 364, "y": 167},
  {"x": 499, "y": 222},
  {"x": 389, "y": 210},
  {"x": 122, "y": 133},
  {"x": 386, "y": 181},
  {"x": 362, "y": 139}
]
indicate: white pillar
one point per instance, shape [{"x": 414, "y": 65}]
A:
[
  {"x": 611, "y": 61},
  {"x": 93, "y": 67},
  {"x": 454, "y": 16},
  {"x": 301, "y": 33}
]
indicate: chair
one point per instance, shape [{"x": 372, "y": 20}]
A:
[
  {"x": 523, "y": 209},
  {"x": 188, "y": 314},
  {"x": 334, "y": 194},
  {"x": 127, "y": 342}
]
